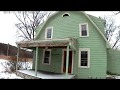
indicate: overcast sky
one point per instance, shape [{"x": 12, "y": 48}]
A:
[{"x": 8, "y": 29}]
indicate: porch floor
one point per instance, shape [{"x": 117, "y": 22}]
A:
[{"x": 46, "y": 75}]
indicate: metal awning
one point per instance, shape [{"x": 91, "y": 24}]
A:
[{"x": 48, "y": 43}]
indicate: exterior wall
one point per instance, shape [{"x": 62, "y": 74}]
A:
[
  {"x": 56, "y": 61},
  {"x": 99, "y": 22},
  {"x": 113, "y": 63},
  {"x": 64, "y": 27}
]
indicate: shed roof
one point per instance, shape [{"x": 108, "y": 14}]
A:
[{"x": 48, "y": 43}]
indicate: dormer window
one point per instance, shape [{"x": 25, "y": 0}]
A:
[
  {"x": 48, "y": 33},
  {"x": 66, "y": 14}
]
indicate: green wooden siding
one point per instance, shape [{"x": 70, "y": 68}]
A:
[
  {"x": 64, "y": 27},
  {"x": 99, "y": 22},
  {"x": 56, "y": 61},
  {"x": 113, "y": 63}
]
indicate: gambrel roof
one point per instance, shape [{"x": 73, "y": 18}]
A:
[{"x": 87, "y": 16}]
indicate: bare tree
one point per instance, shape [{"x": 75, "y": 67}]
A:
[
  {"x": 28, "y": 21},
  {"x": 110, "y": 27},
  {"x": 112, "y": 31},
  {"x": 116, "y": 13}
]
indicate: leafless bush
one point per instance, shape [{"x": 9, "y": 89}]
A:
[{"x": 10, "y": 65}]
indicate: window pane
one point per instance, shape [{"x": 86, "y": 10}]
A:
[
  {"x": 46, "y": 57},
  {"x": 46, "y": 60},
  {"x": 84, "y": 33},
  {"x": 49, "y": 33},
  {"x": 47, "y": 53},
  {"x": 84, "y": 30},
  {"x": 84, "y": 64},
  {"x": 84, "y": 58},
  {"x": 84, "y": 54},
  {"x": 83, "y": 27}
]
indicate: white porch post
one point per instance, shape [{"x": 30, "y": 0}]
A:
[
  {"x": 67, "y": 60},
  {"x": 36, "y": 60},
  {"x": 17, "y": 57}
]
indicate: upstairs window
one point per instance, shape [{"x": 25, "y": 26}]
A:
[
  {"x": 48, "y": 33},
  {"x": 84, "y": 30}
]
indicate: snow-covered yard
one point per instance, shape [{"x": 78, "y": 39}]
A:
[{"x": 5, "y": 75}]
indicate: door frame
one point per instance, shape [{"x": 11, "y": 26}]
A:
[{"x": 63, "y": 60}]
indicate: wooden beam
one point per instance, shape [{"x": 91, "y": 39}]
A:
[
  {"x": 36, "y": 60},
  {"x": 67, "y": 60}
]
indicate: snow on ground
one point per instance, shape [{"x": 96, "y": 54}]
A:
[
  {"x": 117, "y": 77},
  {"x": 5, "y": 75}
]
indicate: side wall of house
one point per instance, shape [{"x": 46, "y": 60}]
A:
[
  {"x": 113, "y": 63},
  {"x": 65, "y": 27}
]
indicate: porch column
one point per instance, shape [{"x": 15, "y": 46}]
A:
[
  {"x": 36, "y": 60},
  {"x": 67, "y": 60},
  {"x": 17, "y": 57}
]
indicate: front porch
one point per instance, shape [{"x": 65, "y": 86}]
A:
[
  {"x": 69, "y": 44},
  {"x": 30, "y": 74}
]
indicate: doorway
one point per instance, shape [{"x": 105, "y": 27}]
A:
[{"x": 70, "y": 64}]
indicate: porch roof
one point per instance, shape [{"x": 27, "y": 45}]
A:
[{"x": 48, "y": 43}]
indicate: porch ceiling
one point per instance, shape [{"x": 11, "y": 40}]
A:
[{"x": 48, "y": 43}]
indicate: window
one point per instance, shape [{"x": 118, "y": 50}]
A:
[
  {"x": 46, "y": 57},
  {"x": 84, "y": 57},
  {"x": 84, "y": 30},
  {"x": 66, "y": 14},
  {"x": 48, "y": 33}
]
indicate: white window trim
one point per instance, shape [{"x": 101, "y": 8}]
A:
[
  {"x": 80, "y": 29},
  {"x": 46, "y": 33},
  {"x": 66, "y": 13},
  {"x": 79, "y": 61},
  {"x": 49, "y": 57}
]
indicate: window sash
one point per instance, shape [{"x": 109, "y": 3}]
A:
[
  {"x": 49, "y": 33},
  {"x": 84, "y": 30},
  {"x": 46, "y": 56},
  {"x": 84, "y": 58}
]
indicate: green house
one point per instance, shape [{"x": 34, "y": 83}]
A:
[{"x": 71, "y": 43}]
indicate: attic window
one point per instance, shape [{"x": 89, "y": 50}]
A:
[{"x": 66, "y": 14}]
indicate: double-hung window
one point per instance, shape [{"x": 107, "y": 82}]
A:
[
  {"x": 47, "y": 57},
  {"x": 49, "y": 33},
  {"x": 84, "y": 32},
  {"x": 84, "y": 57}
]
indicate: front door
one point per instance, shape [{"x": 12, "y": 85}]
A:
[{"x": 70, "y": 62}]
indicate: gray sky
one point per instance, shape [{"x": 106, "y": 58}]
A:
[{"x": 8, "y": 29}]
